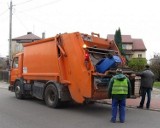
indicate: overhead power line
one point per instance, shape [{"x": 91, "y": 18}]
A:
[
  {"x": 21, "y": 22},
  {"x": 24, "y": 2},
  {"x": 3, "y": 12},
  {"x": 41, "y": 6}
]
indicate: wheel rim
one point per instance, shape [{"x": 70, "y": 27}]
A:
[
  {"x": 17, "y": 90},
  {"x": 51, "y": 96}
]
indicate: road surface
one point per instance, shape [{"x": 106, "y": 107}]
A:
[{"x": 33, "y": 113}]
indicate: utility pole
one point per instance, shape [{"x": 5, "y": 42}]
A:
[
  {"x": 10, "y": 39},
  {"x": 10, "y": 33}
]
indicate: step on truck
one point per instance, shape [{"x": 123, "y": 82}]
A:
[{"x": 69, "y": 66}]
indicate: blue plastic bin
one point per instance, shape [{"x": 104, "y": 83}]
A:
[
  {"x": 117, "y": 59},
  {"x": 106, "y": 63}
]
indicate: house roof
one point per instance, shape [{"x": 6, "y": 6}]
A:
[
  {"x": 125, "y": 38},
  {"x": 138, "y": 45},
  {"x": 26, "y": 38}
]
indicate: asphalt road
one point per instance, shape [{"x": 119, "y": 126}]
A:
[{"x": 33, "y": 113}]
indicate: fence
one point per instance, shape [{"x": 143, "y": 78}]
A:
[{"x": 4, "y": 75}]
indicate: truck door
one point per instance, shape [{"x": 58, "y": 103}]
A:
[{"x": 14, "y": 69}]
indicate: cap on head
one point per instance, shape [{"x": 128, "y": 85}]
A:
[
  {"x": 119, "y": 70},
  {"x": 147, "y": 66}
]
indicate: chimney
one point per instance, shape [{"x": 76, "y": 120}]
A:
[
  {"x": 43, "y": 35},
  {"x": 29, "y": 33}
]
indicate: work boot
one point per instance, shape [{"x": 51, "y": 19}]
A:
[
  {"x": 147, "y": 107},
  {"x": 140, "y": 107},
  {"x": 113, "y": 121}
]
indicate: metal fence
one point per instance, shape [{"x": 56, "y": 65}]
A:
[{"x": 4, "y": 75}]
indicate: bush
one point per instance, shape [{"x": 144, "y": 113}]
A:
[{"x": 137, "y": 64}]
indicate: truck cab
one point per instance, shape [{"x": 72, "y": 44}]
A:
[{"x": 16, "y": 68}]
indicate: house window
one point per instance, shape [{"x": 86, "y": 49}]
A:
[
  {"x": 139, "y": 55},
  {"x": 17, "y": 48},
  {"x": 128, "y": 57},
  {"x": 124, "y": 46}
]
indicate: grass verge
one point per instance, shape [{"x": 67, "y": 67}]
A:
[{"x": 156, "y": 85}]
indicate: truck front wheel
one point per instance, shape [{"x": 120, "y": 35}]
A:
[
  {"x": 51, "y": 96},
  {"x": 18, "y": 92}
]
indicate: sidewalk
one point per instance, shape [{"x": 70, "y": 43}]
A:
[
  {"x": 4, "y": 85},
  {"x": 133, "y": 103}
]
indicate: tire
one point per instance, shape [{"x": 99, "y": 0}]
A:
[
  {"x": 18, "y": 91},
  {"x": 89, "y": 102},
  {"x": 51, "y": 96}
]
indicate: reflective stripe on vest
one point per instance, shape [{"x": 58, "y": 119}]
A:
[{"x": 120, "y": 87}]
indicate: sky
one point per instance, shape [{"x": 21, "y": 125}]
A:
[{"x": 138, "y": 18}]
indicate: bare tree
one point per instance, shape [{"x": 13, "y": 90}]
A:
[
  {"x": 155, "y": 66},
  {"x": 3, "y": 64}
]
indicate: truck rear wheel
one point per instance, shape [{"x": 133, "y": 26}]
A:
[
  {"x": 18, "y": 92},
  {"x": 51, "y": 96}
]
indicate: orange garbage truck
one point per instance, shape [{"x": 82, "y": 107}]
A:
[{"x": 69, "y": 66}]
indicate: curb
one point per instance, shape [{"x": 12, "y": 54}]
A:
[
  {"x": 4, "y": 85},
  {"x": 130, "y": 106}
]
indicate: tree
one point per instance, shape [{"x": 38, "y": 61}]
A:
[
  {"x": 118, "y": 40},
  {"x": 3, "y": 64},
  {"x": 155, "y": 67},
  {"x": 137, "y": 64}
]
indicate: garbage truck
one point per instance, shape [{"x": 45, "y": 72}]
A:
[{"x": 68, "y": 67}]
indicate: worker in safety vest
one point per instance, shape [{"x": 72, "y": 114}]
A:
[{"x": 119, "y": 89}]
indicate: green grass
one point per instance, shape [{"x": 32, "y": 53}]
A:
[{"x": 156, "y": 85}]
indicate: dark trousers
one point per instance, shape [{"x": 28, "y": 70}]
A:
[
  {"x": 122, "y": 105},
  {"x": 145, "y": 91}
]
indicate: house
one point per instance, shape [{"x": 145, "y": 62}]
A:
[
  {"x": 155, "y": 60},
  {"x": 17, "y": 43},
  {"x": 133, "y": 48}
]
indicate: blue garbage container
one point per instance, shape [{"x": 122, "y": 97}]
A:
[{"x": 106, "y": 63}]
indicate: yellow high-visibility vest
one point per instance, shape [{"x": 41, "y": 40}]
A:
[{"x": 120, "y": 86}]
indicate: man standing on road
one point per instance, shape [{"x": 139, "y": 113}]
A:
[
  {"x": 147, "y": 80},
  {"x": 119, "y": 88}
]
